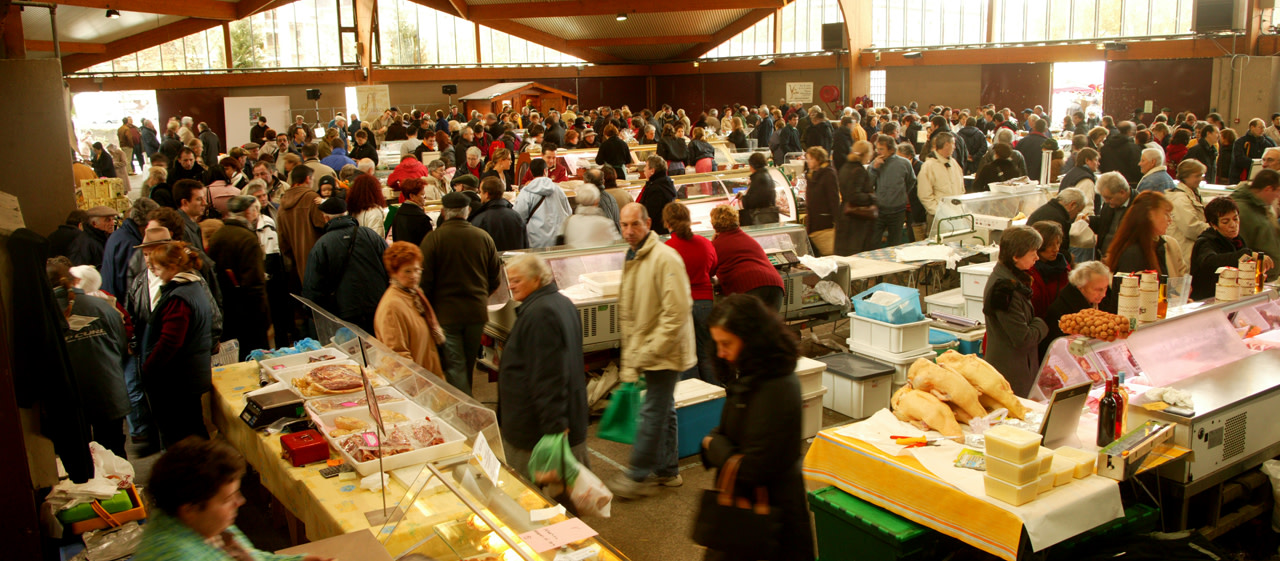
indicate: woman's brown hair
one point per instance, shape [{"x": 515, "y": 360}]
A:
[
  {"x": 676, "y": 217},
  {"x": 176, "y": 253},
  {"x": 1136, "y": 228}
]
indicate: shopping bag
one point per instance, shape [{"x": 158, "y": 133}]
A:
[
  {"x": 745, "y": 527},
  {"x": 549, "y": 462},
  {"x": 622, "y": 416},
  {"x": 1081, "y": 235}
]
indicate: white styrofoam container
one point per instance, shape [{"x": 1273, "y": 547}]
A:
[
  {"x": 694, "y": 391},
  {"x": 287, "y": 375},
  {"x": 604, "y": 283},
  {"x": 891, "y": 338},
  {"x": 810, "y": 373},
  {"x": 973, "y": 278},
  {"x": 949, "y": 302},
  {"x": 973, "y": 309},
  {"x": 327, "y": 355},
  {"x": 347, "y": 402},
  {"x": 412, "y": 411},
  {"x": 812, "y": 411},
  {"x": 858, "y": 399},
  {"x": 901, "y": 364},
  {"x": 454, "y": 444}
]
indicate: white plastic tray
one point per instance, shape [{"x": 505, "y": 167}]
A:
[
  {"x": 287, "y": 375},
  {"x": 347, "y": 401},
  {"x": 454, "y": 444}
]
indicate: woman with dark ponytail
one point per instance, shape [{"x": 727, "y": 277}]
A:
[
  {"x": 176, "y": 363},
  {"x": 761, "y": 423}
]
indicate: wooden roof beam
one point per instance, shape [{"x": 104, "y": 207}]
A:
[
  {"x": 137, "y": 42},
  {"x": 562, "y": 8},
  {"x": 631, "y": 41},
  {"x": 550, "y": 41},
  {"x": 728, "y": 32},
  {"x": 67, "y": 47},
  {"x": 205, "y": 9}
]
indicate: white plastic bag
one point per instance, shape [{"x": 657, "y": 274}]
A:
[
  {"x": 107, "y": 465},
  {"x": 1082, "y": 235},
  {"x": 1272, "y": 469},
  {"x": 589, "y": 494}
]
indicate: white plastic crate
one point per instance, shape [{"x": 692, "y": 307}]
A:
[
  {"x": 973, "y": 278},
  {"x": 904, "y": 338},
  {"x": 604, "y": 283},
  {"x": 900, "y": 363},
  {"x": 809, "y": 372},
  {"x": 973, "y": 309},
  {"x": 812, "y": 411},
  {"x": 949, "y": 302}
]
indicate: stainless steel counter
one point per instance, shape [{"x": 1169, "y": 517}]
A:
[{"x": 1232, "y": 385}]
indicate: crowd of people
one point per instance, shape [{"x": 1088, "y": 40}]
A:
[{"x": 216, "y": 244}]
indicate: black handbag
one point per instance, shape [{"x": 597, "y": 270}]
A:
[
  {"x": 736, "y": 525},
  {"x": 765, "y": 215}
]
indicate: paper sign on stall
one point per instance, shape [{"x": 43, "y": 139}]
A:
[
  {"x": 556, "y": 535},
  {"x": 799, "y": 92},
  {"x": 488, "y": 462}
]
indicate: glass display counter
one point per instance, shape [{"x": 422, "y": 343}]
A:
[
  {"x": 981, "y": 217},
  {"x": 448, "y": 508}
]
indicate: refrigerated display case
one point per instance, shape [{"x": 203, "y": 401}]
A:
[
  {"x": 1225, "y": 356},
  {"x": 982, "y": 217},
  {"x": 449, "y": 507}
]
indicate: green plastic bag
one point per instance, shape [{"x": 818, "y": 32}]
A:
[
  {"x": 551, "y": 461},
  {"x": 622, "y": 416}
]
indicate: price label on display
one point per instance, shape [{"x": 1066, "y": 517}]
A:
[{"x": 488, "y": 461}]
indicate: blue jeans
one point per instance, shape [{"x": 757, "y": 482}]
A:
[
  {"x": 460, "y": 349},
  {"x": 655, "y": 447},
  {"x": 705, "y": 369},
  {"x": 140, "y": 410}
]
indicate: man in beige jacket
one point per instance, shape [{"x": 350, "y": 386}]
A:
[
  {"x": 657, "y": 341},
  {"x": 940, "y": 176}
]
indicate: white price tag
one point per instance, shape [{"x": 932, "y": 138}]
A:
[{"x": 488, "y": 462}]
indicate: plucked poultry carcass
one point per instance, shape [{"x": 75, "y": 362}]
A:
[
  {"x": 947, "y": 385},
  {"x": 925, "y": 411},
  {"x": 995, "y": 389}
]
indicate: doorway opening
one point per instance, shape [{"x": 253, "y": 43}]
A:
[
  {"x": 96, "y": 116},
  {"x": 1077, "y": 86}
]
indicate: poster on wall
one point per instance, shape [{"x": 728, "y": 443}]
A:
[
  {"x": 371, "y": 101},
  {"x": 274, "y": 108},
  {"x": 799, "y": 92}
]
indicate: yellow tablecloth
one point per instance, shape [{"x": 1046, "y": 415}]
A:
[
  {"x": 328, "y": 507},
  {"x": 901, "y": 485}
]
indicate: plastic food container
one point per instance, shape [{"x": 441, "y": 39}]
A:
[
  {"x": 811, "y": 413},
  {"x": 903, "y": 338},
  {"x": 604, "y": 283},
  {"x": 1046, "y": 460},
  {"x": 1016, "y": 495},
  {"x": 941, "y": 340},
  {"x": 287, "y": 376},
  {"x": 1011, "y": 473},
  {"x": 1083, "y": 462},
  {"x": 1046, "y": 483},
  {"x": 901, "y": 363},
  {"x": 973, "y": 278},
  {"x": 973, "y": 308},
  {"x": 809, "y": 372},
  {"x": 1012, "y": 444},
  {"x": 856, "y": 386},
  {"x": 1063, "y": 470}
]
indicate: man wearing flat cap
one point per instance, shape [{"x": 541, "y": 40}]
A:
[
  {"x": 88, "y": 247},
  {"x": 460, "y": 270},
  {"x": 345, "y": 274},
  {"x": 242, "y": 275},
  {"x": 468, "y": 185}
]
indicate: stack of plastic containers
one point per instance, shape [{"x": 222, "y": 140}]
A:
[
  {"x": 1015, "y": 464},
  {"x": 897, "y": 346}
]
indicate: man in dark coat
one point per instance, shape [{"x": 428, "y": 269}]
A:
[
  {"x": 460, "y": 270},
  {"x": 1063, "y": 210},
  {"x": 150, "y": 139},
  {"x": 1248, "y": 148},
  {"x": 1033, "y": 146},
  {"x": 258, "y": 133},
  {"x": 764, "y": 128},
  {"x": 60, "y": 240},
  {"x": 1120, "y": 153},
  {"x": 789, "y": 139},
  {"x": 242, "y": 276},
  {"x": 1116, "y": 198},
  {"x": 497, "y": 217},
  {"x": 212, "y": 146},
  {"x": 119, "y": 248},
  {"x": 658, "y": 191},
  {"x": 345, "y": 274},
  {"x": 820, "y": 133},
  {"x": 540, "y": 382},
  {"x": 975, "y": 144},
  {"x": 842, "y": 144},
  {"x": 89, "y": 246}
]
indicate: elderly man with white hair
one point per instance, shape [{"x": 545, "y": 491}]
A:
[
  {"x": 1154, "y": 175},
  {"x": 1062, "y": 210},
  {"x": 1116, "y": 197},
  {"x": 366, "y": 165},
  {"x": 589, "y": 226},
  {"x": 540, "y": 382},
  {"x": 1087, "y": 285}
]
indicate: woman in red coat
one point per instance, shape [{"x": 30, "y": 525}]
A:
[
  {"x": 741, "y": 265},
  {"x": 1049, "y": 275}
]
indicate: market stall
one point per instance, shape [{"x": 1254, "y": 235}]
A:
[{"x": 447, "y": 496}]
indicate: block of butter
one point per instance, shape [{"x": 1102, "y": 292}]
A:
[
  {"x": 1084, "y": 462},
  {"x": 1046, "y": 460},
  {"x": 1012, "y": 444},
  {"x": 1046, "y": 484},
  {"x": 1016, "y": 495},
  {"x": 1063, "y": 470}
]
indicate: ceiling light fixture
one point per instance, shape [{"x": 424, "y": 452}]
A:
[
  {"x": 622, "y": 17},
  {"x": 113, "y": 13},
  {"x": 913, "y": 54},
  {"x": 767, "y": 62},
  {"x": 695, "y": 64}
]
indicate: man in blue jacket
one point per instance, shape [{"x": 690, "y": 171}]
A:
[{"x": 345, "y": 274}]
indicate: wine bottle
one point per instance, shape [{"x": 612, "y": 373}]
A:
[{"x": 1108, "y": 415}]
